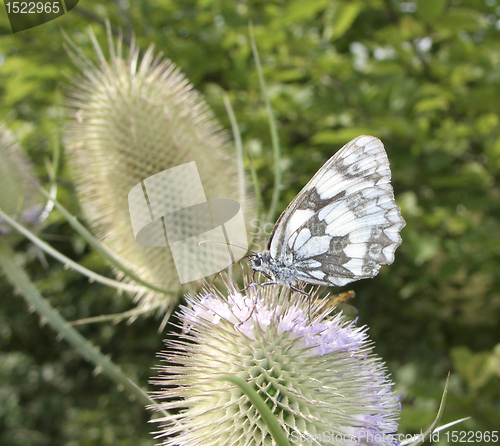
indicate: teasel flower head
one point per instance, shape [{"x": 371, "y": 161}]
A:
[
  {"x": 19, "y": 197},
  {"x": 314, "y": 370},
  {"x": 134, "y": 117}
]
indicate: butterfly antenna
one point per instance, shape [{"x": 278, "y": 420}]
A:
[
  {"x": 215, "y": 277},
  {"x": 226, "y": 243}
]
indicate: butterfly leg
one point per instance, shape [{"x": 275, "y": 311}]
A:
[
  {"x": 268, "y": 283},
  {"x": 299, "y": 291},
  {"x": 308, "y": 299},
  {"x": 291, "y": 287},
  {"x": 256, "y": 295}
]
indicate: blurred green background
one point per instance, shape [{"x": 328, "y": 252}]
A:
[{"x": 424, "y": 76}]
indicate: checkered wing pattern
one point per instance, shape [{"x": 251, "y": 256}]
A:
[{"x": 343, "y": 225}]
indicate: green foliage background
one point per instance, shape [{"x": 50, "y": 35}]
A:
[{"x": 423, "y": 76}]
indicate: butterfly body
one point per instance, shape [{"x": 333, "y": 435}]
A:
[
  {"x": 281, "y": 272},
  {"x": 341, "y": 227}
]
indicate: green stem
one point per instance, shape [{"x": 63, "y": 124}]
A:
[
  {"x": 274, "y": 131},
  {"x": 67, "y": 261},
  {"x": 102, "y": 249},
  {"x": 423, "y": 437},
  {"x": 20, "y": 280},
  {"x": 258, "y": 199},
  {"x": 115, "y": 317},
  {"x": 239, "y": 150}
]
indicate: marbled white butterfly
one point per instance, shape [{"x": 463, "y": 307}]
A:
[{"x": 341, "y": 227}]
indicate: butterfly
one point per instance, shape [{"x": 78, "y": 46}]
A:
[{"x": 341, "y": 227}]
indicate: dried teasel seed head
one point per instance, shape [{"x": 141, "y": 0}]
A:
[
  {"x": 19, "y": 197},
  {"x": 134, "y": 117}
]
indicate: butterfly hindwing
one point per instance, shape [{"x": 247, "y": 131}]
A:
[{"x": 344, "y": 224}]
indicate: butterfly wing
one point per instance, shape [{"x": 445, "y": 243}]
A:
[{"x": 344, "y": 224}]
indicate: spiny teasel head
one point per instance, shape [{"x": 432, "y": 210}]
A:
[
  {"x": 134, "y": 117},
  {"x": 315, "y": 371},
  {"x": 19, "y": 197}
]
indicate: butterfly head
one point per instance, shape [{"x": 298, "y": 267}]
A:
[{"x": 261, "y": 262}]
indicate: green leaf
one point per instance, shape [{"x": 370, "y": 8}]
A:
[
  {"x": 461, "y": 19},
  {"x": 430, "y": 9},
  {"x": 344, "y": 15},
  {"x": 475, "y": 368},
  {"x": 431, "y": 104},
  {"x": 301, "y": 10}
]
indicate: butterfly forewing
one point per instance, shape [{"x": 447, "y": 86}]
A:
[{"x": 344, "y": 224}]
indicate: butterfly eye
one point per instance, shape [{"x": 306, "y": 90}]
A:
[{"x": 257, "y": 262}]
